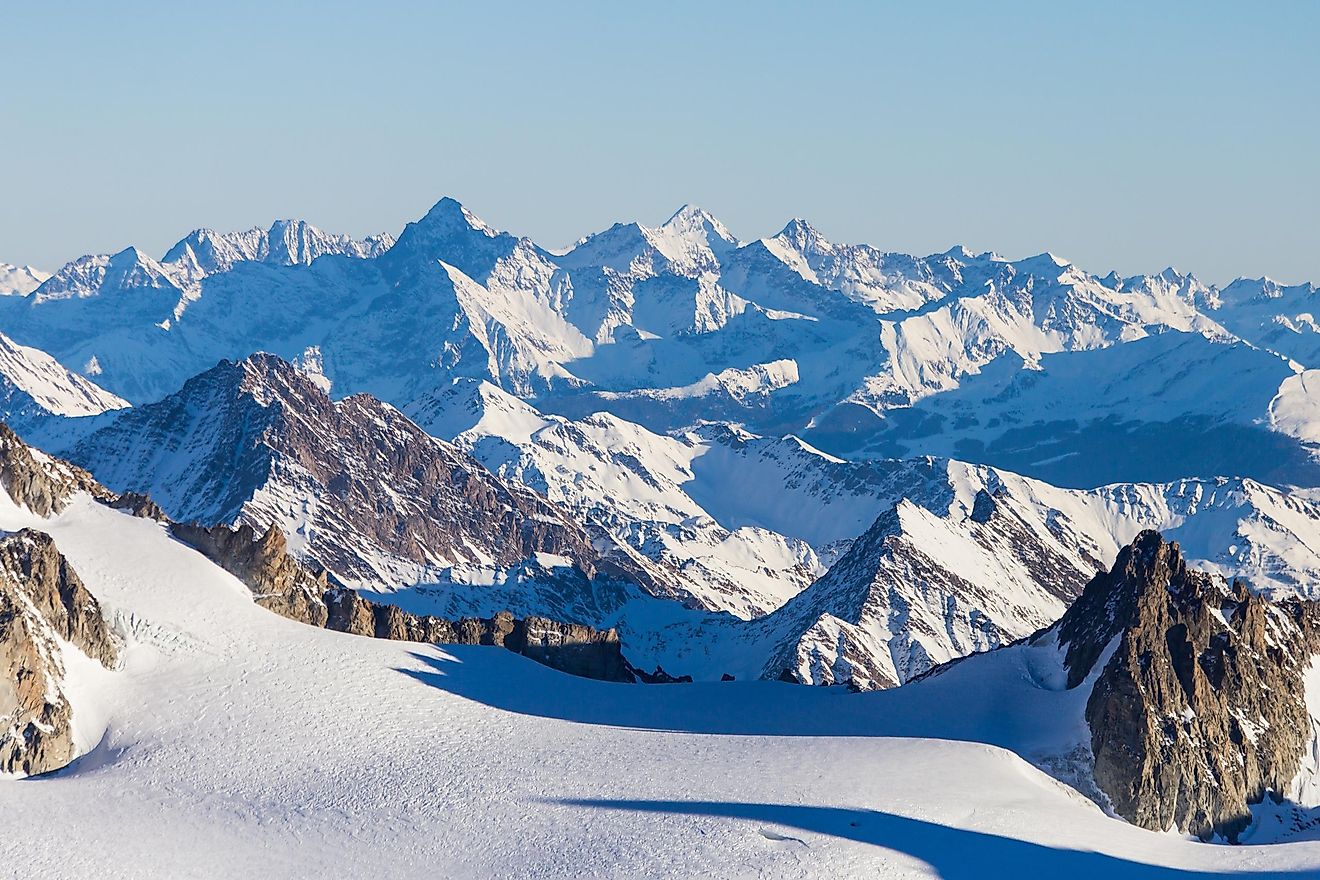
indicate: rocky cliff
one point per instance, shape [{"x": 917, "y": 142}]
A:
[
  {"x": 277, "y": 581},
  {"x": 37, "y": 481},
  {"x": 43, "y": 605},
  {"x": 282, "y": 584},
  {"x": 1198, "y": 705}
]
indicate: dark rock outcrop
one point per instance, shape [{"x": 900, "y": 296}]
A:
[
  {"x": 282, "y": 584},
  {"x": 1199, "y": 711},
  {"x": 278, "y": 581},
  {"x": 41, "y": 600},
  {"x": 38, "y": 482},
  {"x": 140, "y": 506}
]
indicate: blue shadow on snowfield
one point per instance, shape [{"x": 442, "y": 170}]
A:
[{"x": 954, "y": 853}]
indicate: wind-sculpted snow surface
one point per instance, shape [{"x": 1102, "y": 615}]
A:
[
  {"x": 859, "y": 351},
  {"x": 480, "y": 763}
]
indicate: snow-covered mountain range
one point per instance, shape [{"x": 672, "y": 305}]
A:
[
  {"x": 712, "y": 551},
  {"x": 858, "y": 351},
  {"x": 777, "y": 460},
  {"x": 763, "y": 442}
]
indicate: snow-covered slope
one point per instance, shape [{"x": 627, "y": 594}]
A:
[
  {"x": 44, "y": 402},
  {"x": 20, "y": 280},
  {"x": 209, "y": 748},
  {"x": 41, "y": 379},
  {"x": 1171, "y": 404},
  {"x": 737, "y": 549}
]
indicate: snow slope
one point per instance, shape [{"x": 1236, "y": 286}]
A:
[
  {"x": 234, "y": 743},
  {"x": 49, "y": 385},
  {"x": 20, "y": 280},
  {"x": 45, "y": 403},
  {"x": 712, "y": 506},
  {"x": 968, "y": 558}
]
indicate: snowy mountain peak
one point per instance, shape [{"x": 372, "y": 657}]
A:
[
  {"x": 691, "y": 219},
  {"x": 297, "y": 242},
  {"x": 616, "y": 248},
  {"x": 452, "y": 233},
  {"x": 803, "y": 237},
  {"x": 287, "y": 243},
  {"x": 450, "y": 214},
  {"x": 130, "y": 269},
  {"x": 20, "y": 280},
  {"x": 693, "y": 241},
  {"x": 268, "y": 377},
  {"x": 468, "y": 404},
  {"x": 1046, "y": 263}
]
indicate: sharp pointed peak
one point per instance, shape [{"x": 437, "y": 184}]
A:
[
  {"x": 262, "y": 362},
  {"x": 449, "y": 212},
  {"x": 130, "y": 254},
  {"x": 690, "y": 218},
  {"x": 262, "y": 372},
  {"x": 278, "y": 226},
  {"x": 688, "y": 211},
  {"x": 799, "y": 228}
]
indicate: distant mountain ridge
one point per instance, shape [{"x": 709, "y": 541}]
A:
[{"x": 848, "y": 346}]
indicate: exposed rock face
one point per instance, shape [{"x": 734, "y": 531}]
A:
[
  {"x": 283, "y": 585},
  {"x": 382, "y": 502},
  {"x": 140, "y": 506},
  {"x": 568, "y": 647},
  {"x": 42, "y": 601},
  {"x": 1200, "y": 709},
  {"x": 38, "y": 482},
  {"x": 278, "y": 582}
]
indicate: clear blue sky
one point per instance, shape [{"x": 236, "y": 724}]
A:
[{"x": 1120, "y": 135}]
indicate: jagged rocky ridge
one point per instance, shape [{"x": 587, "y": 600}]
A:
[
  {"x": 282, "y": 584},
  {"x": 42, "y": 604},
  {"x": 358, "y": 487},
  {"x": 957, "y": 558},
  {"x": 39, "y": 482},
  {"x": 1197, "y": 708}
]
